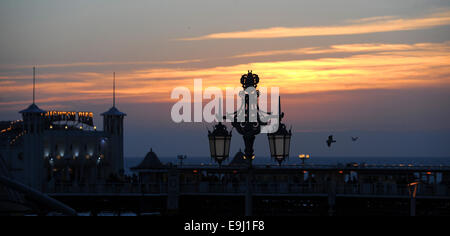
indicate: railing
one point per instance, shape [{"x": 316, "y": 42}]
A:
[
  {"x": 318, "y": 166},
  {"x": 392, "y": 190},
  {"x": 310, "y": 188},
  {"x": 116, "y": 188},
  {"x": 378, "y": 189}
]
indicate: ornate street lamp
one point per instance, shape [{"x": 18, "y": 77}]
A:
[
  {"x": 219, "y": 143},
  {"x": 247, "y": 120}
]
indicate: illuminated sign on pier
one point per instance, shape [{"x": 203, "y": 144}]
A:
[{"x": 80, "y": 117}]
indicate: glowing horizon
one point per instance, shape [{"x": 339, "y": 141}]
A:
[
  {"x": 351, "y": 65},
  {"x": 354, "y": 71}
]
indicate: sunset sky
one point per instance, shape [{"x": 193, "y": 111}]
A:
[{"x": 375, "y": 69}]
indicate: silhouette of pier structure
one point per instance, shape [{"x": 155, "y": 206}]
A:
[{"x": 286, "y": 190}]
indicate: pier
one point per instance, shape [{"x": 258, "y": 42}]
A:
[{"x": 201, "y": 190}]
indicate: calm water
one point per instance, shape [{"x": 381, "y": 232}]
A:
[{"x": 426, "y": 161}]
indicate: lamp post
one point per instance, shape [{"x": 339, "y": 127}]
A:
[
  {"x": 249, "y": 126},
  {"x": 303, "y": 157},
  {"x": 412, "y": 187},
  {"x": 247, "y": 121}
]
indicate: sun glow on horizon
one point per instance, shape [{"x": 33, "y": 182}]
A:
[{"x": 368, "y": 66}]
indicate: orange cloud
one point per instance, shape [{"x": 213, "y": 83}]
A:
[
  {"x": 97, "y": 64},
  {"x": 361, "y": 26},
  {"x": 349, "y": 48},
  {"x": 378, "y": 66},
  {"x": 373, "y": 66}
]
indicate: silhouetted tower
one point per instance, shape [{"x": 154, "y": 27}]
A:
[
  {"x": 113, "y": 126},
  {"x": 33, "y": 127}
]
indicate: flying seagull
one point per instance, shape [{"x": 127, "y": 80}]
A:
[
  {"x": 330, "y": 140},
  {"x": 354, "y": 138}
]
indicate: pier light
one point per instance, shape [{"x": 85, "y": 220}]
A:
[
  {"x": 279, "y": 143},
  {"x": 245, "y": 158},
  {"x": 219, "y": 142},
  {"x": 303, "y": 157}
]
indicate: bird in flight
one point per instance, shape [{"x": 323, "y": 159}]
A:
[
  {"x": 354, "y": 138},
  {"x": 330, "y": 140}
]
